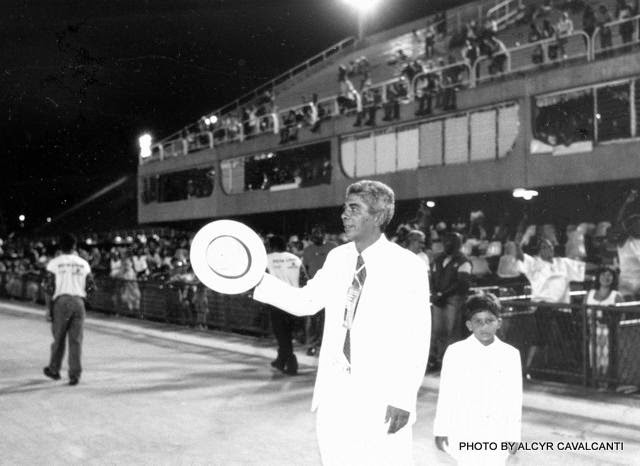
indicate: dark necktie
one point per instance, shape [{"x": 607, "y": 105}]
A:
[{"x": 353, "y": 296}]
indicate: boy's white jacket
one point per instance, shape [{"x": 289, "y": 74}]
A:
[
  {"x": 480, "y": 397},
  {"x": 392, "y": 327}
]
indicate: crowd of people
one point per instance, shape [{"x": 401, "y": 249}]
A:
[{"x": 539, "y": 261}]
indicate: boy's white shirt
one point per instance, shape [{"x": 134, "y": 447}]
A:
[{"x": 480, "y": 396}]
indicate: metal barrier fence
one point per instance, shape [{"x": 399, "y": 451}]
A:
[
  {"x": 589, "y": 345},
  {"x": 172, "y": 302}
]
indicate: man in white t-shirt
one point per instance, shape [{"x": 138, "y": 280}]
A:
[
  {"x": 70, "y": 278},
  {"x": 627, "y": 235},
  {"x": 550, "y": 279},
  {"x": 287, "y": 267}
]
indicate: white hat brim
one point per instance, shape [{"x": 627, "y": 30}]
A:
[{"x": 228, "y": 257}]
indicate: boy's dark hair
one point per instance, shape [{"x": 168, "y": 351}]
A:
[
  {"x": 482, "y": 302},
  {"x": 277, "y": 244},
  {"x": 67, "y": 242}
]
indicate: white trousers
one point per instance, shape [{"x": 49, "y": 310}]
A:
[{"x": 351, "y": 431}]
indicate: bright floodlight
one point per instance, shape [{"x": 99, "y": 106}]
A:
[
  {"x": 145, "y": 145},
  {"x": 526, "y": 194},
  {"x": 363, "y": 6},
  {"x": 431, "y": 204},
  {"x": 21, "y": 217},
  {"x": 48, "y": 219}
]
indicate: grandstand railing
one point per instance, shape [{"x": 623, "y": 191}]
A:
[
  {"x": 551, "y": 51},
  {"x": 505, "y": 12},
  {"x": 577, "y": 45},
  {"x": 616, "y": 41},
  {"x": 589, "y": 345},
  {"x": 292, "y": 72}
]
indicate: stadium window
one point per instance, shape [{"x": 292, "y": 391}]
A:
[
  {"x": 179, "y": 186},
  {"x": 564, "y": 118},
  {"x": 300, "y": 167},
  {"x": 613, "y": 112}
]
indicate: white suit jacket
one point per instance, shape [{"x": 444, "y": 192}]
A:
[{"x": 392, "y": 326}]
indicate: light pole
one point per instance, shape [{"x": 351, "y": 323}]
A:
[{"x": 363, "y": 8}]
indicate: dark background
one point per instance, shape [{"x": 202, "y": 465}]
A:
[{"x": 81, "y": 80}]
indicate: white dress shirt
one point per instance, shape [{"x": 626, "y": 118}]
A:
[{"x": 480, "y": 396}]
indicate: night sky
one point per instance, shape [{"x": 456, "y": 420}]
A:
[{"x": 83, "y": 79}]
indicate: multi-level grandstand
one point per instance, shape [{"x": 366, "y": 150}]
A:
[{"x": 550, "y": 111}]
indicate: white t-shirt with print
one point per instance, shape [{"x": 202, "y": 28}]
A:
[
  {"x": 71, "y": 273},
  {"x": 285, "y": 266},
  {"x": 550, "y": 280}
]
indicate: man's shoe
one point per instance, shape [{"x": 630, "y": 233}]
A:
[
  {"x": 277, "y": 365},
  {"x": 291, "y": 367},
  {"x": 49, "y": 373},
  {"x": 74, "y": 381}
]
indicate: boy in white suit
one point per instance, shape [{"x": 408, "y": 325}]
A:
[
  {"x": 376, "y": 335},
  {"x": 480, "y": 399}
]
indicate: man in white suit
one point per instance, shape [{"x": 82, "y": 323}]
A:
[{"x": 376, "y": 335}]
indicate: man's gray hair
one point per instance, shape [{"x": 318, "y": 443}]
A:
[{"x": 378, "y": 196}]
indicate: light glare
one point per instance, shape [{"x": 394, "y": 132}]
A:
[
  {"x": 363, "y": 6},
  {"x": 21, "y": 217},
  {"x": 431, "y": 204},
  {"x": 145, "y": 145}
]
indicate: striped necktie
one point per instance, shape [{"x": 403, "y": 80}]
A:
[{"x": 353, "y": 296}]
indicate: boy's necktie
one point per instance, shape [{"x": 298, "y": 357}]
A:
[{"x": 353, "y": 296}]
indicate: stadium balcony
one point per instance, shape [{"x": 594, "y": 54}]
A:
[{"x": 314, "y": 99}]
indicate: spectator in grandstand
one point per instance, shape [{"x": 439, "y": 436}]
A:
[
  {"x": 452, "y": 78},
  {"x": 604, "y": 293},
  {"x": 384, "y": 349},
  {"x": 288, "y": 268},
  {"x": 604, "y": 18},
  {"x": 450, "y": 278},
  {"x": 498, "y": 54},
  {"x": 397, "y": 92},
  {"x": 470, "y": 54},
  {"x": 480, "y": 395},
  {"x": 69, "y": 282},
  {"x": 313, "y": 258},
  {"x": 429, "y": 42},
  {"x": 129, "y": 289},
  {"x": 416, "y": 242},
  {"x": 429, "y": 87},
  {"x": 201, "y": 305},
  {"x": 371, "y": 101},
  {"x": 348, "y": 98},
  {"x": 535, "y": 35},
  {"x": 544, "y": 10},
  {"x": 508, "y": 264},
  {"x": 625, "y": 10},
  {"x": 550, "y": 278},
  {"x": 549, "y": 32},
  {"x": 564, "y": 28},
  {"x": 471, "y": 32},
  {"x": 627, "y": 237},
  {"x": 589, "y": 20}
]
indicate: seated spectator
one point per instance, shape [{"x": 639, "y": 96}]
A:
[
  {"x": 416, "y": 243},
  {"x": 479, "y": 264},
  {"x": 498, "y": 55}
]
